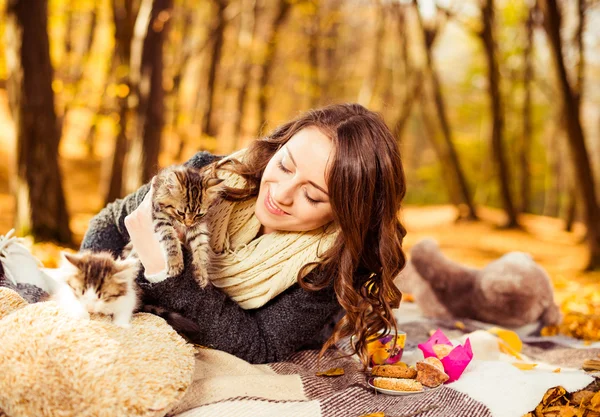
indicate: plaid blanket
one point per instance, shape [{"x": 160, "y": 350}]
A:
[{"x": 226, "y": 386}]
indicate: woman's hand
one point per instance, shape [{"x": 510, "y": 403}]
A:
[{"x": 144, "y": 240}]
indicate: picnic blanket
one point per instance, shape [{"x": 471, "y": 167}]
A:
[
  {"x": 226, "y": 385},
  {"x": 490, "y": 386}
]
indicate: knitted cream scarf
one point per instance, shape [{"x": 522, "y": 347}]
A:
[{"x": 253, "y": 271}]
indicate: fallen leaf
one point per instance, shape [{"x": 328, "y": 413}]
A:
[
  {"x": 332, "y": 372},
  {"x": 553, "y": 394},
  {"x": 509, "y": 337},
  {"x": 582, "y": 398},
  {"x": 378, "y": 414},
  {"x": 524, "y": 366},
  {"x": 459, "y": 325},
  {"x": 595, "y": 401},
  {"x": 556, "y": 371}
]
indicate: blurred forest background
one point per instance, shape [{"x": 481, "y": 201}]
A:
[{"x": 495, "y": 103}]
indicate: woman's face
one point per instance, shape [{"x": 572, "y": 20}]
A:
[{"x": 293, "y": 192}]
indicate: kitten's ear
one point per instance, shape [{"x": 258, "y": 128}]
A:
[
  {"x": 127, "y": 263},
  {"x": 127, "y": 269},
  {"x": 72, "y": 258},
  {"x": 173, "y": 182},
  {"x": 166, "y": 184}
]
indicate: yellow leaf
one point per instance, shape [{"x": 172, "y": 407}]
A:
[
  {"x": 504, "y": 348},
  {"x": 332, "y": 372},
  {"x": 524, "y": 366},
  {"x": 556, "y": 371},
  {"x": 553, "y": 394},
  {"x": 378, "y": 414},
  {"x": 595, "y": 401},
  {"x": 509, "y": 337},
  {"x": 459, "y": 325}
]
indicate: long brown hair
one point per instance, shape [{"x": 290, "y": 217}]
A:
[{"x": 366, "y": 186}]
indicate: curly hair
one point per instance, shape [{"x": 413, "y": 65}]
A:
[{"x": 366, "y": 186}]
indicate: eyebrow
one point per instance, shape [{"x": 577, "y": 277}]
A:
[{"x": 310, "y": 182}]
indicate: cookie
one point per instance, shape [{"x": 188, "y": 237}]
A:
[
  {"x": 398, "y": 384},
  {"x": 394, "y": 371},
  {"x": 430, "y": 375},
  {"x": 435, "y": 362}
]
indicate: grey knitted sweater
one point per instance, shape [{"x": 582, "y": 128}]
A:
[{"x": 293, "y": 320}]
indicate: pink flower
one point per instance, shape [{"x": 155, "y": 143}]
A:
[{"x": 456, "y": 361}]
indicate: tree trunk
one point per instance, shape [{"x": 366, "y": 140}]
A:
[
  {"x": 245, "y": 41},
  {"x": 579, "y": 154},
  {"x": 554, "y": 166},
  {"x": 571, "y": 211},
  {"x": 449, "y": 154},
  {"x": 124, "y": 16},
  {"x": 269, "y": 61},
  {"x": 367, "y": 89},
  {"x": 430, "y": 133},
  {"x": 147, "y": 85},
  {"x": 414, "y": 87},
  {"x": 413, "y": 78},
  {"x": 185, "y": 55},
  {"x": 329, "y": 64},
  {"x": 208, "y": 126},
  {"x": 40, "y": 202},
  {"x": 314, "y": 41},
  {"x": 487, "y": 36},
  {"x": 526, "y": 143}
]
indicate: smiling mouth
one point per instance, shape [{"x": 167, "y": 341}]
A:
[{"x": 271, "y": 206}]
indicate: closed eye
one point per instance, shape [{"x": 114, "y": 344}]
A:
[
  {"x": 284, "y": 169},
  {"x": 310, "y": 200},
  {"x": 180, "y": 213}
]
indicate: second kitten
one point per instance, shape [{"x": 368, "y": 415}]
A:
[{"x": 94, "y": 282}]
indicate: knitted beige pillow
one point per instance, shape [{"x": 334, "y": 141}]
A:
[{"x": 51, "y": 364}]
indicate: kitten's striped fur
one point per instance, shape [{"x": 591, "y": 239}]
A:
[
  {"x": 94, "y": 282},
  {"x": 182, "y": 197}
]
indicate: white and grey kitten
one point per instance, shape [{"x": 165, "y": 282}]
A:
[{"x": 95, "y": 282}]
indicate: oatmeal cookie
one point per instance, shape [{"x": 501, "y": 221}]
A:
[
  {"x": 394, "y": 371},
  {"x": 398, "y": 384}
]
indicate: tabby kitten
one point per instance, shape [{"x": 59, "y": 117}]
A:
[
  {"x": 181, "y": 199},
  {"x": 94, "y": 282}
]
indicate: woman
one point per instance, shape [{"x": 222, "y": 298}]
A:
[{"x": 333, "y": 174}]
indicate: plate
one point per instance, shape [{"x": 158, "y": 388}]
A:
[{"x": 394, "y": 392}]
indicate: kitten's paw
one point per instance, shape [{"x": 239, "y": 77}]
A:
[
  {"x": 202, "y": 279},
  {"x": 124, "y": 323},
  {"x": 174, "y": 270},
  {"x": 77, "y": 312}
]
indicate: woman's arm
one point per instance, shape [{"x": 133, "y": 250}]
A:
[
  {"x": 270, "y": 333},
  {"x": 107, "y": 230},
  {"x": 286, "y": 323}
]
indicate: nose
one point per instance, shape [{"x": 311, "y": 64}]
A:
[{"x": 283, "y": 195}]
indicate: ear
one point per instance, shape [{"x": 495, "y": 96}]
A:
[
  {"x": 127, "y": 269},
  {"x": 127, "y": 263},
  {"x": 167, "y": 184},
  {"x": 73, "y": 259}
]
